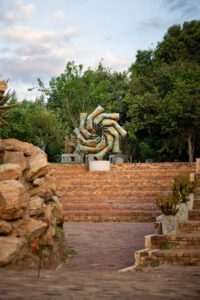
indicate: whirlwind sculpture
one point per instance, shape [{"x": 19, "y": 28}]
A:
[{"x": 99, "y": 133}]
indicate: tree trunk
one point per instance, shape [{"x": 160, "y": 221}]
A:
[{"x": 190, "y": 149}]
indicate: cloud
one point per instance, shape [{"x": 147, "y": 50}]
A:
[
  {"x": 24, "y": 34},
  {"x": 186, "y": 7},
  {"x": 111, "y": 61},
  {"x": 148, "y": 24},
  {"x": 60, "y": 17},
  {"x": 11, "y": 13}
]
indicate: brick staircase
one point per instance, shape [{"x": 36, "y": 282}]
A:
[
  {"x": 181, "y": 249},
  {"x": 126, "y": 193}
]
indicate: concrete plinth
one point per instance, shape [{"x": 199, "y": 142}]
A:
[
  {"x": 99, "y": 165},
  {"x": 71, "y": 158}
]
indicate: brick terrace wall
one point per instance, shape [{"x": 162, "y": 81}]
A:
[{"x": 127, "y": 193}]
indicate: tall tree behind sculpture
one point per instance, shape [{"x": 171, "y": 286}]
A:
[{"x": 99, "y": 133}]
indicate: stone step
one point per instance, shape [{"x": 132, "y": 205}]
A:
[
  {"x": 104, "y": 216},
  {"x": 190, "y": 226},
  {"x": 179, "y": 241},
  {"x": 156, "y": 257}
]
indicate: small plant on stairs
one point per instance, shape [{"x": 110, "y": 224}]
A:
[{"x": 169, "y": 207}]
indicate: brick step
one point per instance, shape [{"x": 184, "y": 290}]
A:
[
  {"x": 115, "y": 185},
  {"x": 189, "y": 226},
  {"x": 194, "y": 215},
  {"x": 109, "y": 207},
  {"x": 117, "y": 180},
  {"x": 111, "y": 194},
  {"x": 179, "y": 241},
  {"x": 197, "y": 203},
  {"x": 112, "y": 190},
  {"x": 113, "y": 203},
  {"x": 130, "y": 216},
  {"x": 122, "y": 174},
  {"x": 145, "y": 257},
  {"x": 131, "y": 166},
  {"x": 197, "y": 194},
  {"x": 140, "y": 218}
]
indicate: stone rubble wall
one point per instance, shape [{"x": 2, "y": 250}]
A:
[{"x": 30, "y": 212}]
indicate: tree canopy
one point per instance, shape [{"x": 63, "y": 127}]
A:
[{"x": 158, "y": 99}]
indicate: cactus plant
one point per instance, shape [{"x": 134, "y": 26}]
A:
[
  {"x": 181, "y": 188},
  {"x": 168, "y": 204}
]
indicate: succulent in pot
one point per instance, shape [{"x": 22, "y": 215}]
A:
[
  {"x": 182, "y": 188},
  {"x": 169, "y": 207}
]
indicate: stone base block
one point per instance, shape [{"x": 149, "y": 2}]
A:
[
  {"x": 99, "y": 165},
  {"x": 71, "y": 158}
]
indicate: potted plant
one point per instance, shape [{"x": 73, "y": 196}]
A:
[
  {"x": 182, "y": 188},
  {"x": 169, "y": 207}
]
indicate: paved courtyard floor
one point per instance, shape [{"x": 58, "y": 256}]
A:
[{"x": 100, "y": 250}]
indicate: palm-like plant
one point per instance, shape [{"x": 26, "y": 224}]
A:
[{"x": 4, "y": 98}]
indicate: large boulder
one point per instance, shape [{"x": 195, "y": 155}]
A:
[
  {"x": 15, "y": 145},
  {"x": 5, "y": 227},
  {"x": 36, "y": 206},
  {"x": 57, "y": 210},
  {"x": 38, "y": 165},
  {"x": 10, "y": 249},
  {"x": 10, "y": 171},
  {"x": 46, "y": 189},
  {"x": 30, "y": 228},
  {"x": 16, "y": 157},
  {"x": 13, "y": 199}
]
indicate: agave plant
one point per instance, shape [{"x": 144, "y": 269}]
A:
[
  {"x": 168, "y": 204},
  {"x": 182, "y": 187},
  {"x": 4, "y": 98}
]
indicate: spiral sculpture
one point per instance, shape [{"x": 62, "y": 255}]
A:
[{"x": 99, "y": 133}]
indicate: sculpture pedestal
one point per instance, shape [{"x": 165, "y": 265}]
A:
[
  {"x": 71, "y": 159},
  {"x": 99, "y": 165}
]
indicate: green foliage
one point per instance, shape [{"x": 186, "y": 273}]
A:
[
  {"x": 163, "y": 96},
  {"x": 168, "y": 204},
  {"x": 158, "y": 100},
  {"x": 34, "y": 123},
  {"x": 4, "y": 107},
  {"x": 165, "y": 245},
  {"x": 76, "y": 91},
  {"x": 181, "y": 188}
]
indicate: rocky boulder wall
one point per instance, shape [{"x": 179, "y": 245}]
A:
[{"x": 31, "y": 215}]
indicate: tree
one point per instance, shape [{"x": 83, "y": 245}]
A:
[
  {"x": 34, "y": 123},
  {"x": 163, "y": 99},
  {"x": 76, "y": 91}
]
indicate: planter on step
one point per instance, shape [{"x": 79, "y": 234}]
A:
[
  {"x": 190, "y": 203},
  {"x": 169, "y": 224},
  {"x": 183, "y": 212}
]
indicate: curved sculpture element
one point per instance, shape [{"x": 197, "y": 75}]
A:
[{"x": 99, "y": 133}]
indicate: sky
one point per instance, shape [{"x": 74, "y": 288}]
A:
[{"x": 38, "y": 37}]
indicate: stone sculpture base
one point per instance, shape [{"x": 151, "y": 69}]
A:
[
  {"x": 71, "y": 158},
  {"x": 99, "y": 165}
]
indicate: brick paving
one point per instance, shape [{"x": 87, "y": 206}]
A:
[
  {"x": 104, "y": 246},
  {"x": 100, "y": 250}
]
